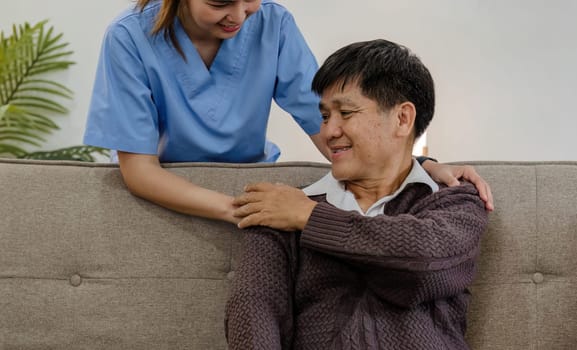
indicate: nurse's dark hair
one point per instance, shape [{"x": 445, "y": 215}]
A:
[
  {"x": 169, "y": 11},
  {"x": 386, "y": 72}
]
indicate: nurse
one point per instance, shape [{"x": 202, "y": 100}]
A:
[{"x": 193, "y": 81}]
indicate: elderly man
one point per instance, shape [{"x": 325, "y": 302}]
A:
[{"x": 376, "y": 255}]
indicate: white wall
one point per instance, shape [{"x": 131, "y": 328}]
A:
[
  {"x": 82, "y": 23},
  {"x": 504, "y": 70}
]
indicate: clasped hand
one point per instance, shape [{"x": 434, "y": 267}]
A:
[{"x": 278, "y": 206}]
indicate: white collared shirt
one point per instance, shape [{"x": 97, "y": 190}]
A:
[{"x": 340, "y": 197}]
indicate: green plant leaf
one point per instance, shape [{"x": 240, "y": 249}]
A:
[
  {"x": 12, "y": 150},
  {"x": 38, "y": 102},
  {"x": 28, "y": 101},
  {"x": 45, "y": 90},
  {"x": 19, "y": 138},
  {"x": 76, "y": 153}
]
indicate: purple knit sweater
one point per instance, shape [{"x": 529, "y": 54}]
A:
[{"x": 395, "y": 281}]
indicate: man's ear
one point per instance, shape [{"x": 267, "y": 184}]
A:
[{"x": 406, "y": 114}]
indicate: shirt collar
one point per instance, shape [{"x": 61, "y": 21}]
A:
[{"x": 337, "y": 195}]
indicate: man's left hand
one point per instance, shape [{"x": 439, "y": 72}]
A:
[{"x": 277, "y": 206}]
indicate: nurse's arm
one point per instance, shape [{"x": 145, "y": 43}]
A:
[{"x": 145, "y": 178}]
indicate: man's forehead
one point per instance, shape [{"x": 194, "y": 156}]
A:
[
  {"x": 341, "y": 95},
  {"x": 338, "y": 100}
]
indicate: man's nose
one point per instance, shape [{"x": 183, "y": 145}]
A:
[{"x": 333, "y": 128}]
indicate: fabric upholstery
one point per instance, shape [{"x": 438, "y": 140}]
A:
[{"x": 86, "y": 265}]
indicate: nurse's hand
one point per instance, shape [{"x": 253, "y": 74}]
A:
[
  {"x": 450, "y": 175},
  {"x": 277, "y": 206}
]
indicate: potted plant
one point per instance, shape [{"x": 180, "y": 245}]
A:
[{"x": 29, "y": 99}]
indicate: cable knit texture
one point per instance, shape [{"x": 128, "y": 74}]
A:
[{"x": 394, "y": 281}]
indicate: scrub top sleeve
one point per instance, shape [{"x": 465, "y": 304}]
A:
[
  {"x": 122, "y": 115},
  {"x": 296, "y": 69}
]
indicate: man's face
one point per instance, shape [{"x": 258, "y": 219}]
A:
[{"x": 357, "y": 133}]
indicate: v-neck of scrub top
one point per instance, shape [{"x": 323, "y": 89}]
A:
[{"x": 195, "y": 77}]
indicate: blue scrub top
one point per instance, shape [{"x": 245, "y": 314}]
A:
[{"x": 147, "y": 99}]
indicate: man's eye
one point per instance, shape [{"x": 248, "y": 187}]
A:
[
  {"x": 325, "y": 117},
  {"x": 346, "y": 113}
]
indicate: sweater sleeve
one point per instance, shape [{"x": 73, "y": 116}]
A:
[
  {"x": 258, "y": 313},
  {"x": 426, "y": 253}
]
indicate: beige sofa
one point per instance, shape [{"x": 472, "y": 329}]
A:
[{"x": 85, "y": 265}]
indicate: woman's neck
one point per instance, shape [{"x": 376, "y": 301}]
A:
[{"x": 206, "y": 44}]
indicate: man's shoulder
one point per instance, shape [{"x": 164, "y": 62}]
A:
[
  {"x": 456, "y": 195},
  {"x": 417, "y": 197},
  {"x": 465, "y": 187}
]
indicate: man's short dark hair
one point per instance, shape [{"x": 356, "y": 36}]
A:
[{"x": 386, "y": 72}]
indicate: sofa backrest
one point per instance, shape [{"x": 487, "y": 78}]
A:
[
  {"x": 86, "y": 265},
  {"x": 524, "y": 296}
]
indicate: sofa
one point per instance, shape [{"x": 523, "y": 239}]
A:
[{"x": 86, "y": 265}]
